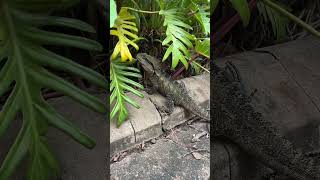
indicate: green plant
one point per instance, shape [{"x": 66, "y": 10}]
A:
[
  {"x": 124, "y": 26},
  {"x": 176, "y": 34},
  {"x": 278, "y": 22},
  {"x": 120, "y": 82},
  {"x": 26, "y": 73},
  {"x": 163, "y": 26},
  {"x": 273, "y": 12}
]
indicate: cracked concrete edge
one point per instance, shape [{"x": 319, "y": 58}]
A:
[{"x": 147, "y": 123}]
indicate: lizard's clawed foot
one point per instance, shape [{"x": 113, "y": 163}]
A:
[{"x": 165, "y": 110}]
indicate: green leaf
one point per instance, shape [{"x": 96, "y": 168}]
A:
[
  {"x": 17, "y": 151},
  {"x": 213, "y": 5},
  {"x": 203, "y": 47},
  {"x": 24, "y": 74},
  {"x": 121, "y": 30},
  {"x": 243, "y": 9},
  {"x": 278, "y": 21},
  {"x": 202, "y": 17},
  {"x": 196, "y": 67},
  {"x": 113, "y": 12},
  {"x": 64, "y": 125},
  {"x": 52, "y": 38},
  {"x": 43, "y": 20},
  {"x": 121, "y": 83},
  {"x": 179, "y": 38},
  {"x": 161, "y": 4},
  {"x": 6, "y": 77},
  {"x": 9, "y": 110},
  {"x": 52, "y": 60},
  {"x": 292, "y": 17},
  {"x": 43, "y": 6},
  {"x": 51, "y": 81}
]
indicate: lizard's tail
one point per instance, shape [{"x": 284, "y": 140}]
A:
[{"x": 236, "y": 119}]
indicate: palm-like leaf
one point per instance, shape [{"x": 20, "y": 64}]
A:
[
  {"x": 179, "y": 38},
  {"x": 278, "y": 21},
  {"x": 113, "y": 12},
  {"x": 120, "y": 83},
  {"x": 242, "y": 7},
  {"x": 203, "y": 47},
  {"x": 25, "y": 70},
  {"x": 202, "y": 17},
  {"x": 124, "y": 27}
]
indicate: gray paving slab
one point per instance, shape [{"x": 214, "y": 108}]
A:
[
  {"x": 145, "y": 121},
  {"x": 169, "y": 158}
]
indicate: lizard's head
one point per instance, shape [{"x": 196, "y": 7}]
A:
[{"x": 147, "y": 62}]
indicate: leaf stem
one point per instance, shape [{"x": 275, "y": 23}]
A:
[
  {"x": 201, "y": 66},
  {"x": 292, "y": 17},
  {"x": 142, "y": 11}
]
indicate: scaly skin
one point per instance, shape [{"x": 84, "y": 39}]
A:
[
  {"x": 173, "y": 90},
  {"x": 234, "y": 118}
]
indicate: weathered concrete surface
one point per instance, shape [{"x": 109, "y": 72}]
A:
[
  {"x": 77, "y": 162},
  {"x": 228, "y": 162},
  {"x": 171, "y": 158},
  {"x": 142, "y": 124},
  {"x": 288, "y": 87},
  {"x": 146, "y": 123},
  {"x": 168, "y": 158}
]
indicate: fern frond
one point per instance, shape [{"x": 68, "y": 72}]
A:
[
  {"x": 25, "y": 69},
  {"x": 202, "y": 17},
  {"x": 203, "y": 47},
  {"x": 278, "y": 21},
  {"x": 177, "y": 35},
  {"x": 113, "y": 11},
  {"x": 126, "y": 32},
  {"x": 120, "y": 74}
]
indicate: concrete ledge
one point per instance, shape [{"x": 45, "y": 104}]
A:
[{"x": 147, "y": 123}]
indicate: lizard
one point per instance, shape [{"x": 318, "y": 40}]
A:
[
  {"x": 234, "y": 118},
  {"x": 175, "y": 92}
]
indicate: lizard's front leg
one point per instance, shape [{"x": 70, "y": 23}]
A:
[
  {"x": 169, "y": 104},
  {"x": 168, "y": 107},
  {"x": 151, "y": 88}
]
